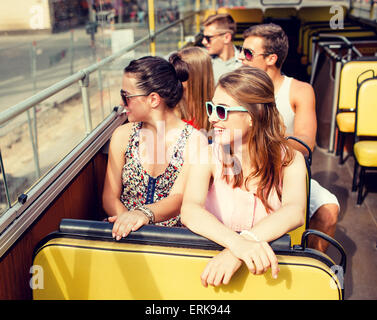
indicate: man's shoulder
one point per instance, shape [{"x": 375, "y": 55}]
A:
[
  {"x": 302, "y": 95},
  {"x": 300, "y": 88}
]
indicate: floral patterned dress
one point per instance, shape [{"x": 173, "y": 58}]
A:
[{"x": 140, "y": 188}]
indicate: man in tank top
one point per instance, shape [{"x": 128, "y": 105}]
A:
[{"x": 266, "y": 47}]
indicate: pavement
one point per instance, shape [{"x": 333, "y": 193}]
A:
[{"x": 357, "y": 224}]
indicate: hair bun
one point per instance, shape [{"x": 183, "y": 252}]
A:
[{"x": 180, "y": 66}]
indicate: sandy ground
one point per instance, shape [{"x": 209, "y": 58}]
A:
[{"x": 59, "y": 129}]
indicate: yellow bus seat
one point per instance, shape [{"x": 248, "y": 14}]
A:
[
  {"x": 166, "y": 263},
  {"x": 365, "y": 147},
  {"x": 346, "y": 121},
  {"x": 352, "y": 73}
]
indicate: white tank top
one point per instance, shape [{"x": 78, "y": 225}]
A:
[{"x": 284, "y": 106}]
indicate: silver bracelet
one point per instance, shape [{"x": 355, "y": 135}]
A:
[
  {"x": 250, "y": 234},
  {"x": 148, "y": 212}
]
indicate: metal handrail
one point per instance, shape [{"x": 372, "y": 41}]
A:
[
  {"x": 281, "y": 3},
  {"x": 344, "y": 39},
  {"x": 26, "y": 104},
  {"x": 20, "y": 216},
  {"x": 176, "y": 22},
  {"x": 82, "y": 77}
]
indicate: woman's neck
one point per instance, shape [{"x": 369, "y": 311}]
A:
[
  {"x": 165, "y": 127},
  {"x": 164, "y": 118}
]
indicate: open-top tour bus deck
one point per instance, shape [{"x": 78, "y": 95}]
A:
[{"x": 54, "y": 244}]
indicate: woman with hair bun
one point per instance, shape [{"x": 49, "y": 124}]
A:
[
  {"x": 198, "y": 88},
  {"x": 145, "y": 174}
]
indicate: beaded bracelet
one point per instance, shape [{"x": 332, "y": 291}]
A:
[{"x": 148, "y": 212}]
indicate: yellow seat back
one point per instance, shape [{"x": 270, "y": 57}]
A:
[
  {"x": 365, "y": 147},
  {"x": 366, "y": 111},
  {"x": 348, "y": 81}
]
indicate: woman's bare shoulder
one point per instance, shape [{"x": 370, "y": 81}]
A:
[
  {"x": 123, "y": 130},
  {"x": 121, "y": 135}
]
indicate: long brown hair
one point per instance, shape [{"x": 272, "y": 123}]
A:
[
  {"x": 199, "y": 86},
  {"x": 253, "y": 89}
]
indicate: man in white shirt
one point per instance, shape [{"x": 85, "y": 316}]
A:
[
  {"x": 218, "y": 33},
  {"x": 266, "y": 47}
]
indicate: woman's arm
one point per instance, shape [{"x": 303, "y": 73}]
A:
[
  {"x": 258, "y": 256},
  {"x": 113, "y": 178},
  {"x": 128, "y": 221},
  {"x": 302, "y": 97},
  {"x": 169, "y": 207},
  {"x": 193, "y": 214},
  {"x": 123, "y": 219}
]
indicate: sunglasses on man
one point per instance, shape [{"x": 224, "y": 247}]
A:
[
  {"x": 221, "y": 111},
  {"x": 250, "y": 54},
  {"x": 124, "y": 96},
  {"x": 208, "y": 38}
]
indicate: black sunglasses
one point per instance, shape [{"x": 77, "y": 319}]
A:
[
  {"x": 249, "y": 54},
  {"x": 124, "y": 96},
  {"x": 208, "y": 38}
]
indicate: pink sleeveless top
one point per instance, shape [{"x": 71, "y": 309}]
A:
[{"x": 238, "y": 209}]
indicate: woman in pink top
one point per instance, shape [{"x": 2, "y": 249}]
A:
[{"x": 253, "y": 181}]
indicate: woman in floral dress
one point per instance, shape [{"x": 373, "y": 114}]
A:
[{"x": 145, "y": 174}]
